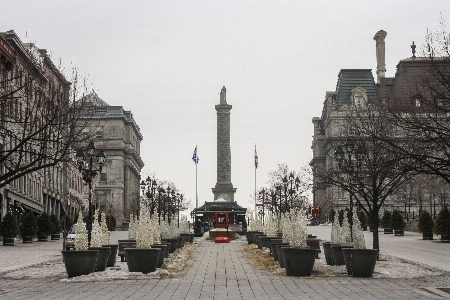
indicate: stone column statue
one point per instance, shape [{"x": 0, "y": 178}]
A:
[{"x": 223, "y": 95}]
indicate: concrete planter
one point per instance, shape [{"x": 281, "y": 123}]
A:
[
  {"x": 328, "y": 253},
  {"x": 299, "y": 261},
  {"x": 102, "y": 258},
  {"x": 144, "y": 260},
  {"x": 55, "y": 236},
  {"x": 399, "y": 232},
  {"x": 162, "y": 253},
  {"x": 173, "y": 242},
  {"x": 388, "y": 231},
  {"x": 250, "y": 237},
  {"x": 113, "y": 255},
  {"x": 360, "y": 262},
  {"x": 8, "y": 241},
  {"x": 265, "y": 241},
  {"x": 273, "y": 247},
  {"x": 79, "y": 263},
  {"x": 338, "y": 256}
]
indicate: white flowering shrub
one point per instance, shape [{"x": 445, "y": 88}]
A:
[
  {"x": 285, "y": 223},
  {"x": 345, "y": 238},
  {"x": 132, "y": 228},
  {"x": 165, "y": 231},
  {"x": 184, "y": 225},
  {"x": 357, "y": 232},
  {"x": 335, "y": 230},
  {"x": 96, "y": 234},
  {"x": 105, "y": 231},
  {"x": 257, "y": 225},
  {"x": 173, "y": 230},
  {"x": 271, "y": 225},
  {"x": 81, "y": 240},
  {"x": 296, "y": 230},
  {"x": 144, "y": 234},
  {"x": 155, "y": 229}
]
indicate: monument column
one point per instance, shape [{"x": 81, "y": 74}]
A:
[{"x": 224, "y": 188}]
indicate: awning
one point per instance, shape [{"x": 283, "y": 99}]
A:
[{"x": 26, "y": 207}]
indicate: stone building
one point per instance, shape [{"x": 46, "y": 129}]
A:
[
  {"x": 55, "y": 190},
  {"x": 114, "y": 130},
  {"x": 356, "y": 88}
]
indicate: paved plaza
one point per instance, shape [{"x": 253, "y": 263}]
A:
[{"x": 221, "y": 271}]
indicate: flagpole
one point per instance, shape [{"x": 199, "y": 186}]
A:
[
  {"x": 255, "y": 181},
  {"x": 196, "y": 192}
]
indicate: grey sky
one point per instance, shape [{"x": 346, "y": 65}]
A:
[{"x": 166, "y": 61}]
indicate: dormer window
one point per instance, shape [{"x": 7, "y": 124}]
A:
[{"x": 359, "y": 98}]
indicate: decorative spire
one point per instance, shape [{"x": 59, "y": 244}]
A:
[{"x": 413, "y": 48}]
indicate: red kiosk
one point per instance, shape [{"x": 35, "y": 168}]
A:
[{"x": 221, "y": 220}]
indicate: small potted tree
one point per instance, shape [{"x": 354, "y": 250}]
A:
[
  {"x": 442, "y": 225},
  {"x": 55, "y": 235},
  {"x": 45, "y": 227},
  {"x": 386, "y": 222},
  {"x": 28, "y": 228},
  {"x": 359, "y": 261},
  {"x": 397, "y": 223},
  {"x": 82, "y": 261},
  {"x": 362, "y": 217},
  {"x": 8, "y": 229},
  {"x": 426, "y": 225},
  {"x": 298, "y": 259}
]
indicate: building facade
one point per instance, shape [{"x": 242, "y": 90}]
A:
[
  {"x": 27, "y": 75},
  {"x": 355, "y": 89},
  {"x": 116, "y": 189}
]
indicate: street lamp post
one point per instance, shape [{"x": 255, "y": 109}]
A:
[
  {"x": 344, "y": 155},
  {"x": 88, "y": 174},
  {"x": 179, "y": 200},
  {"x": 160, "y": 190},
  {"x": 151, "y": 187}
]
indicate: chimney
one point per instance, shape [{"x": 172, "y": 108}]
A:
[{"x": 380, "y": 49}]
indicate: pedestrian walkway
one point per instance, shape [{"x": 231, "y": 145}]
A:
[{"x": 220, "y": 271}]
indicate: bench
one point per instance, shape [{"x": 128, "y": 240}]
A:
[
  {"x": 313, "y": 243},
  {"x": 122, "y": 246}
]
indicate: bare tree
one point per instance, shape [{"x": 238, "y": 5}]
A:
[
  {"x": 363, "y": 166},
  {"x": 40, "y": 115}
]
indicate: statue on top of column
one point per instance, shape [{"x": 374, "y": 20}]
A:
[{"x": 223, "y": 95}]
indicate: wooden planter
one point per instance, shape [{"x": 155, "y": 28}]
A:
[
  {"x": 427, "y": 235},
  {"x": 445, "y": 238},
  {"x": 28, "y": 239},
  {"x": 399, "y": 232},
  {"x": 8, "y": 241}
]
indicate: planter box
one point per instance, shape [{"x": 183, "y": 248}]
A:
[
  {"x": 338, "y": 256},
  {"x": 445, "y": 238},
  {"x": 399, "y": 232},
  {"x": 360, "y": 262},
  {"x": 8, "y": 241},
  {"x": 27, "y": 239},
  {"x": 299, "y": 261},
  {"x": 55, "y": 236},
  {"x": 231, "y": 234},
  {"x": 388, "y": 231},
  {"x": 79, "y": 262},
  {"x": 142, "y": 260},
  {"x": 427, "y": 235}
]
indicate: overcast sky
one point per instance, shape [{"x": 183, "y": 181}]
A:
[{"x": 166, "y": 62}]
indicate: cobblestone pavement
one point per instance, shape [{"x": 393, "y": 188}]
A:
[{"x": 220, "y": 271}]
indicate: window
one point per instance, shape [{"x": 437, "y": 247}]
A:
[
  {"x": 103, "y": 174},
  {"x": 99, "y": 132},
  {"x": 85, "y": 132},
  {"x": 359, "y": 102}
]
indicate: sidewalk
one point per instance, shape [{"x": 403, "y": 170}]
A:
[{"x": 220, "y": 271}]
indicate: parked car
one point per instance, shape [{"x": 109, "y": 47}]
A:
[{"x": 70, "y": 238}]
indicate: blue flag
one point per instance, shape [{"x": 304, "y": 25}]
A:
[{"x": 194, "y": 156}]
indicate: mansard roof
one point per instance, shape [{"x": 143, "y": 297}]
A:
[{"x": 348, "y": 79}]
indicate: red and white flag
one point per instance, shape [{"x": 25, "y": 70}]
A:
[{"x": 256, "y": 159}]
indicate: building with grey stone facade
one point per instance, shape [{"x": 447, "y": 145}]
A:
[
  {"x": 114, "y": 130},
  {"x": 54, "y": 190}
]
